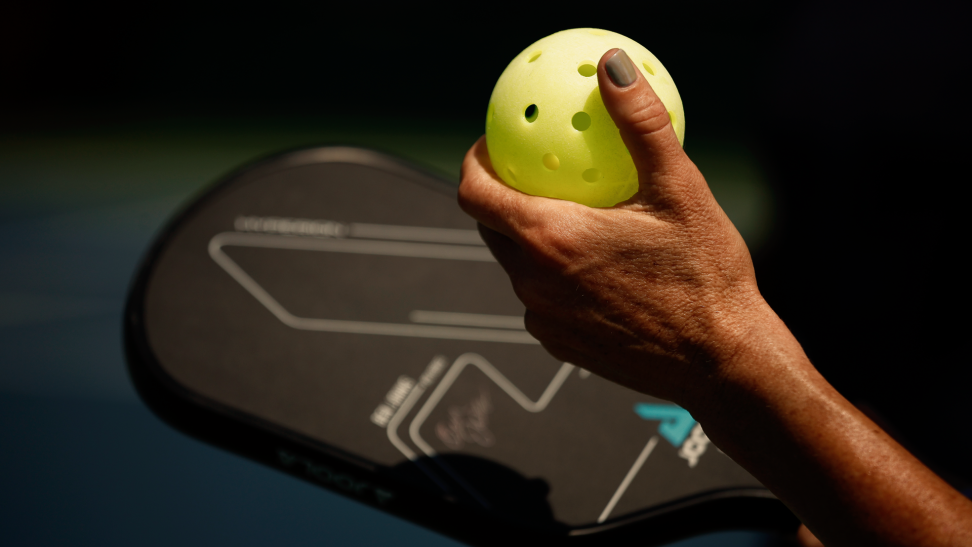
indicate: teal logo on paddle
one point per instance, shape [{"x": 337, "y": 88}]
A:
[{"x": 676, "y": 422}]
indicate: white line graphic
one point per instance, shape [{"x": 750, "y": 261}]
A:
[
  {"x": 414, "y": 395},
  {"x": 353, "y": 246},
  {"x": 415, "y": 233},
  {"x": 507, "y": 386},
  {"x": 386, "y": 248},
  {"x": 331, "y": 228},
  {"x": 496, "y": 376},
  {"x": 467, "y": 319},
  {"x": 628, "y": 478}
]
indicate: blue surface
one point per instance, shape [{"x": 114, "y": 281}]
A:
[{"x": 82, "y": 461}]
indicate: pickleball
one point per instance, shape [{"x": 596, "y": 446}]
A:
[{"x": 547, "y": 129}]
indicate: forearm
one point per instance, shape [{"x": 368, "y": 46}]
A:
[{"x": 775, "y": 415}]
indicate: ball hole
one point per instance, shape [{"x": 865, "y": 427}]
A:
[
  {"x": 551, "y": 161},
  {"x": 597, "y": 32},
  {"x": 591, "y": 175},
  {"x": 648, "y": 67},
  {"x": 587, "y": 69},
  {"x": 581, "y": 121},
  {"x": 510, "y": 176},
  {"x": 534, "y": 56},
  {"x": 531, "y": 113}
]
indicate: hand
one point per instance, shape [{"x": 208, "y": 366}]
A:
[
  {"x": 658, "y": 294},
  {"x": 654, "y": 293}
]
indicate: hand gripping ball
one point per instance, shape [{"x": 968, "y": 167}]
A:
[{"x": 547, "y": 130}]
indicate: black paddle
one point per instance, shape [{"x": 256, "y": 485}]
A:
[{"x": 331, "y": 312}]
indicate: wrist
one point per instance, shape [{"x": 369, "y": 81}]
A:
[{"x": 754, "y": 360}]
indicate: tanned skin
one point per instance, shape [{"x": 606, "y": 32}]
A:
[{"x": 659, "y": 294}]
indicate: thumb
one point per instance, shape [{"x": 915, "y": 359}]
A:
[{"x": 642, "y": 119}]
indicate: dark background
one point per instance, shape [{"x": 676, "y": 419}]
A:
[
  {"x": 855, "y": 112},
  {"x": 404, "y": 61}
]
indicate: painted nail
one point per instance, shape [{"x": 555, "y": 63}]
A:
[{"x": 620, "y": 69}]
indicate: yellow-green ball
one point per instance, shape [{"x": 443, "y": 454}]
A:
[{"x": 547, "y": 130}]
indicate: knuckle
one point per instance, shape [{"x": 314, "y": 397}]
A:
[
  {"x": 649, "y": 117},
  {"x": 551, "y": 246},
  {"x": 469, "y": 193}
]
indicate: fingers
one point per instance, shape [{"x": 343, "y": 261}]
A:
[
  {"x": 483, "y": 196},
  {"x": 642, "y": 119}
]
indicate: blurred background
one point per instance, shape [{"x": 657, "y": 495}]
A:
[{"x": 832, "y": 134}]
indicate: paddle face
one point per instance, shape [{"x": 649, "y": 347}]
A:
[{"x": 332, "y": 312}]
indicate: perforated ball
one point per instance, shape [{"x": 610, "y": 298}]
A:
[{"x": 547, "y": 130}]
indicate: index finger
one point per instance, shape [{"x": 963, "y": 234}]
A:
[{"x": 483, "y": 196}]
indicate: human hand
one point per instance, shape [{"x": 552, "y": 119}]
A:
[
  {"x": 658, "y": 294},
  {"x": 655, "y": 293}
]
